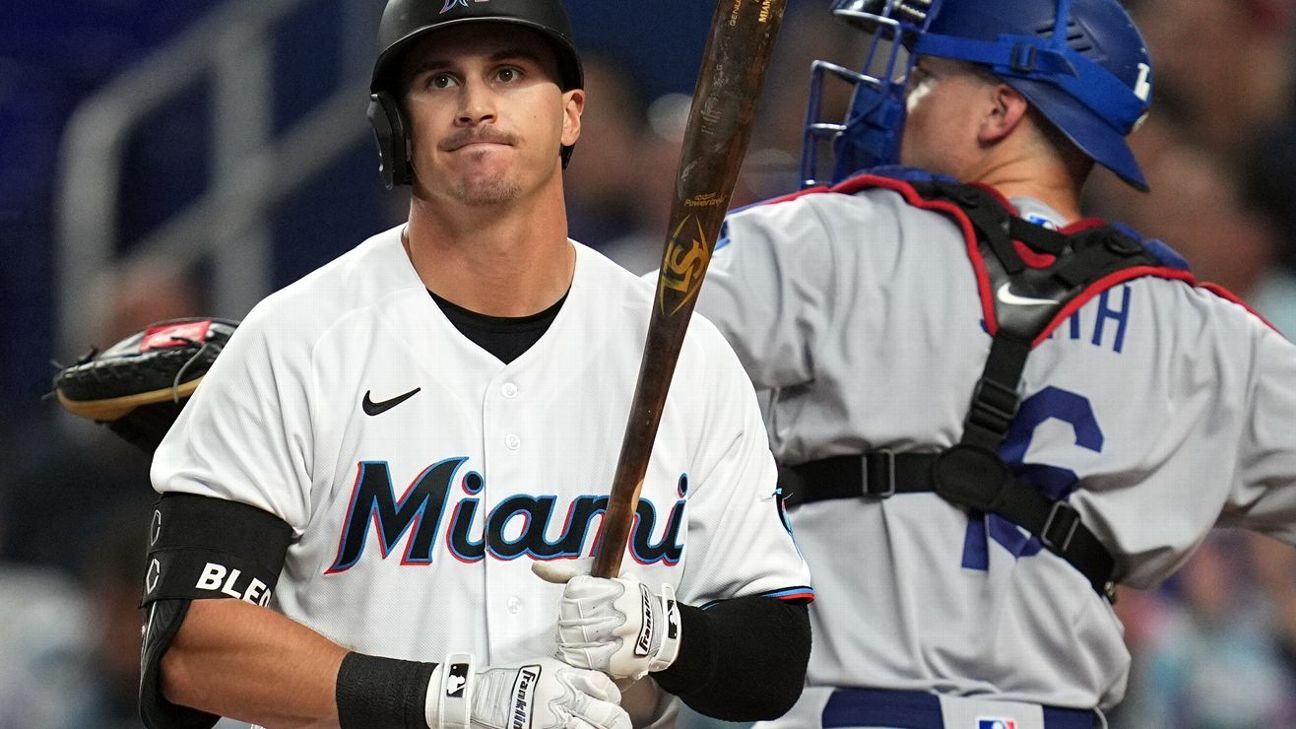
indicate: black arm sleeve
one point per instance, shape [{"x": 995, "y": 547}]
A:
[
  {"x": 200, "y": 548},
  {"x": 742, "y": 659}
]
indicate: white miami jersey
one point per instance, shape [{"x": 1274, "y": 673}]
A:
[
  {"x": 1160, "y": 408},
  {"x": 422, "y": 477}
]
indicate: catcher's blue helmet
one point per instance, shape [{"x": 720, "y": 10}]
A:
[{"x": 1081, "y": 63}]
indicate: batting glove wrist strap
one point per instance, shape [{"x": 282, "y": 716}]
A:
[
  {"x": 541, "y": 694},
  {"x": 449, "y": 695},
  {"x": 668, "y": 649}
]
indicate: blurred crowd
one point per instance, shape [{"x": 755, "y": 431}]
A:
[{"x": 1213, "y": 649}]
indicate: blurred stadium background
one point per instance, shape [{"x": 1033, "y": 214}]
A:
[{"x": 186, "y": 157}]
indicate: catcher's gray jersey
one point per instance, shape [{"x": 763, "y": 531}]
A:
[{"x": 1168, "y": 408}]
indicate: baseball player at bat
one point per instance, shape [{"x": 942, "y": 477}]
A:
[
  {"x": 990, "y": 410},
  {"x": 354, "y": 497}
]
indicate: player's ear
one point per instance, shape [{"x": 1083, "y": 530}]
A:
[
  {"x": 1005, "y": 109},
  {"x": 573, "y": 106}
]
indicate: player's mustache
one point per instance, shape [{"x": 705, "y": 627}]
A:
[{"x": 467, "y": 136}]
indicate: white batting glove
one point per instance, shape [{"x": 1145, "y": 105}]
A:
[
  {"x": 616, "y": 626},
  {"x": 540, "y": 694}
]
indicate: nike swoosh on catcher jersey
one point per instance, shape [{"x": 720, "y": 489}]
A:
[
  {"x": 378, "y": 408},
  {"x": 1008, "y": 297}
]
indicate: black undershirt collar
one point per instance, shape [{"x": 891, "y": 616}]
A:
[{"x": 505, "y": 337}]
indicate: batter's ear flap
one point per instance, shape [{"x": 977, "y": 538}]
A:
[{"x": 393, "y": 143}]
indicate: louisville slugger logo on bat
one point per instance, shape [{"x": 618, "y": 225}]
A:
[{"x": 683, "y": 267}]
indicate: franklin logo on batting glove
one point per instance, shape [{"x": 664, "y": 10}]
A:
[
  {"x": 645, "y": 634},
  {"x": 523, "y": 695},
  {"x": 616, "y": 626}
]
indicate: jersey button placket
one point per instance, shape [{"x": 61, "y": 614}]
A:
[
  {"x": 509, "y": 391},
  {"x": 503, "y": 422}
]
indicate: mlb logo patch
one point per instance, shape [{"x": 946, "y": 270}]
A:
[
  {"x": 996, "y": 724},
  {"x": 457, "y": 679}
]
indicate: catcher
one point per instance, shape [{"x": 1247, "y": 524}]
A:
[{"x": 991, "y": 410}]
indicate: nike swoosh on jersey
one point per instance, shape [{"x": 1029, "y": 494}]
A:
[
  {"x": 1008, "y": 297},
  {"x": 378, "y": 408}
]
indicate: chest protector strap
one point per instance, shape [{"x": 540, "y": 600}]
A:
[{"x": 1022, "y": 302}]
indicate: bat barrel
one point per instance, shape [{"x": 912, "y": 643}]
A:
[{"x": 719, "y": 128}]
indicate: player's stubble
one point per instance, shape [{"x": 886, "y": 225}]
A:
[{"x": 485, "y": 180}]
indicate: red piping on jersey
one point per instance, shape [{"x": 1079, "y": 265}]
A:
[
  {"x": 1227, "y": 295},
  {"x": 911, "y": 196},
  {"x": 1108, "y": 282}
]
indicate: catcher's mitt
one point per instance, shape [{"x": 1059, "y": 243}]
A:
[{"x": 138, "y": 386}]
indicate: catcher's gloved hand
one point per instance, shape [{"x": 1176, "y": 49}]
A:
[
  {"x": 616, "y": 626},
  {"x": 138, "y": 386},
  {"x": 540, "y": 694}
]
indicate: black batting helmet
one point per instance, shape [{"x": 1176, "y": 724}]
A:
[{"x": 404, "y": 22}]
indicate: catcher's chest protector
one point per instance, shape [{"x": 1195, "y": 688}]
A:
[{"x": 1030, "y": 279}]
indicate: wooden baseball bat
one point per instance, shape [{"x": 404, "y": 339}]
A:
[{"x": 719, "y": 126}]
